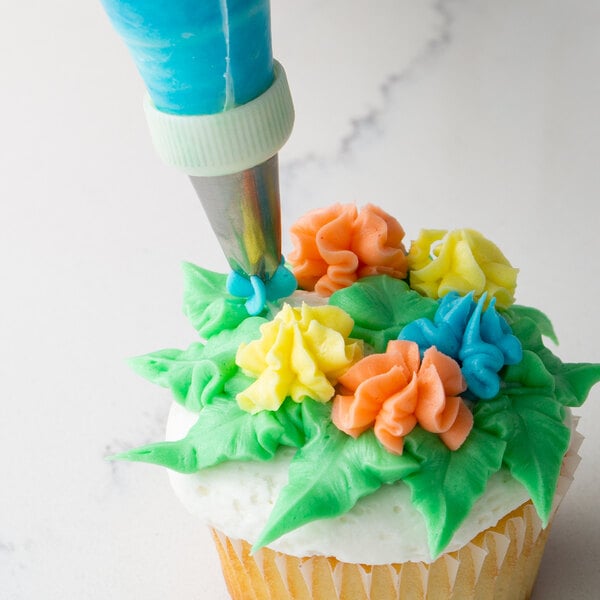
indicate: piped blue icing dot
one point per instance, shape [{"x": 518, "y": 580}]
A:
[
  {"x": 481, "y": 341},
  {"x": 281, "y": 284},
  {"x": 259, "y": 291}
]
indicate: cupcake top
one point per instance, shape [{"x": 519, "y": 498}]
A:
[{"x": 410, "y": 366}]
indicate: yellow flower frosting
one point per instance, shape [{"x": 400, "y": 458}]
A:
[
  {"x": 462, "y": 260},
  {"x": 301, "y": 353}
]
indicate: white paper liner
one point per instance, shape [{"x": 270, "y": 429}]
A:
[
  {"x": 307, "y": 570},
  {"x": 451, "y": 564},
  {"x": 569, "y": 465},
  {"x": 488, "y": 560},
  {"x": 410, "y": 576},
  {"x": 478, "y": 555},
  {"x": 394, "y": 578}
]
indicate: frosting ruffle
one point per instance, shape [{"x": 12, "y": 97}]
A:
[
  {"x": 481, "y": 341},
  {"x": 300, "y": 354},
  {"x": 394, "y": 391},
  {"x": 462, "y": 260},
  {"x": 336, "y": 246}
]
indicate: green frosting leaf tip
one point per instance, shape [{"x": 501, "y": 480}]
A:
[
  {"x": 330, "y": 474},
  {"x": 116, "y": 457},
  {"x": 147, "y": 365},
  {"x": 449, "y": 482},
  {"x": 541, "y": 321},
  {"x": 179, "y": 456},
  {"x": 579, "y": 378}
]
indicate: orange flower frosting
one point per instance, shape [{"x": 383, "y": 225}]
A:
[
  {"x": 335, "y": 246},
  {"x": 394, "y": 391}
]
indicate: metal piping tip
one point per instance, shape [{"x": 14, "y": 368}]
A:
[{"x": 244, "y": 211}]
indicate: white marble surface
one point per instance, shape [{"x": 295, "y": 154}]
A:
[{"x": 452, "y": 113}]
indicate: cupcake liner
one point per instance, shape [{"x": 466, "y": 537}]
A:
[{"x": 500, "y": 563}]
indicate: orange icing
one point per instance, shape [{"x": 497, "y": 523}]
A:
[
  {"x": 394, "y": 391},
  {"x": 335, "y": 246}
]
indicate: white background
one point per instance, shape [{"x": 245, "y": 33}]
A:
[{"x": 453, "y": 113}]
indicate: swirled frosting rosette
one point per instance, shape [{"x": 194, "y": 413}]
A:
[
  {"x": 462, "y": 261},
  {"x": 336, "y": 246},
  {"x": 300, "y": 354},
  {"x": 481, "y": 341},
  {"x": 394, "y": 391}
]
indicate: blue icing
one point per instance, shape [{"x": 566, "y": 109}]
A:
[
  {"x": 282, "y": 283},
  {"x": 180, "y": 48},
  {"x": 487, "y": 345},
  {"x": 481, "y": 341},
  {"x": 258, "y": 292},
  {"x": 446, "y": 330}
]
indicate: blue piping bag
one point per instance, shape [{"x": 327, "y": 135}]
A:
[{"x": 219, "y": 109}]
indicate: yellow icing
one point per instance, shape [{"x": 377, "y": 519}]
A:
[
  {"x": 301, "y": 353},
  {"x": 462, "y": 260}
]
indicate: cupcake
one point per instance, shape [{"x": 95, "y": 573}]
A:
[{"x": 396, "y": 428}]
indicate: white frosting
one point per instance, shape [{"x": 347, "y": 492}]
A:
[{"x": 237, "y": 498}]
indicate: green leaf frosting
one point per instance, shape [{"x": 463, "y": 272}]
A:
[
  {"x": 225, "y": 432},
  {"x": 542, "y": 322},
  {"x": 381, "y": 306},
  {"x": 536, "y": 439},
  {"x": 522, "y": 428},
  {"x": 206, "y": 303},
  {"x": 573, "y": 381},
  {"x": 448, "y": 483},
  {"x": 531, "y": 420},
  {"x": 197, "y": 375},
  {"x": 330, "y": 474}
]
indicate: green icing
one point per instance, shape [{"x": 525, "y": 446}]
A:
[
  {"x": 381, "y": 306},
  {"x": 197, "y": 375},
  {"x": 536, "y": 440},
  {"x": 330, "y": 474},
  {"x": 528, "y": 376},
  {"x": 521, "y": 428},
  {"x": 542, "y": 322},
  {"x": 448, "y": 483},
  {"x": 206, "y": 303},
  {"x": 528, "y": 416},
  {"x": 225, "y": 432},
  {"x": 573, "y": 381}
]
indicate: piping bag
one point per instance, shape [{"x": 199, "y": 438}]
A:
[{"x": 219, "y": 109}]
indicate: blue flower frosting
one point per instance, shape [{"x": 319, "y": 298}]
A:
[
  {"x": 480, "y": 340},
  {"x": 259, "y": 291}
]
